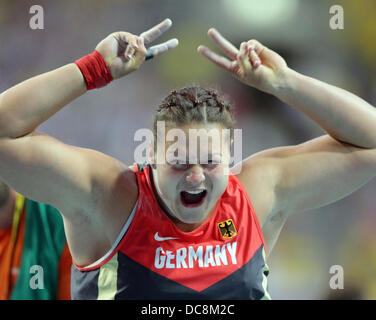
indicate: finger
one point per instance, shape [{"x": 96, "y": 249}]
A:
[
  {"x": 139, "y": 57},
  {"x": 131, "y": 48},
  {"x": 129, "y": 53},
  {"x": 227, "y": 47},
  {"x": 256, "y": 62},
  {"x": 255, "y": 59},
  {"x": 141, "y": 46},
  {"x": 264, "y": 53},
  {"x": 161, "y": 48},
  {"x": 257, "y": 46},
  {"x": 243, "y": 57},
  {"x": 121, "y": 38},
  {"x": 217, "y": 59},
  {"x": 156, "y": 31}
]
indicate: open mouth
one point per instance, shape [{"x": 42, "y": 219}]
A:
[{"x": 193, "y": 198}]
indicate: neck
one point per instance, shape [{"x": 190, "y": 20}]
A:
[
  {"x": 185, "y": 227},
  {"x": 7, "y": 210}
]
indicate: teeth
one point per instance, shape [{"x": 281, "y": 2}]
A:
[{"x": 195, "y": 191}]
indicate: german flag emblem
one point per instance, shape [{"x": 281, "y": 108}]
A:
[{"x": 227, "y": 229}]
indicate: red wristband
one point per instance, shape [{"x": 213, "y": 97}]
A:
[{"x": 94, "y": 70}]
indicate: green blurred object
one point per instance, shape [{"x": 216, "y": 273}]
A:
[
  {"x": 43, "y": 244},
  {"x": 184, "y": 64}
]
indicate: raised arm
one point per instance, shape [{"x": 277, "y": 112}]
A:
[
  {"x": 40, "y": 167},
  {"x": 94, "y": 192},
  {"x": 292, "y": 179},
  {"x": 342, "y": 114}
]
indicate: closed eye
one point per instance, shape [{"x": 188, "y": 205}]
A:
[
  {"x": 212, "y": 163},
  {"x": 179, "y": 165}
]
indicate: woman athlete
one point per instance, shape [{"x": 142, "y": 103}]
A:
[{"x": 178, "y": 229}]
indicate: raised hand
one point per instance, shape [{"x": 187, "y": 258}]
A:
[
  {"x": 124, "y": 52},
  {"x": 155, "y": 32},
  {"x": 253, "y": 63}
]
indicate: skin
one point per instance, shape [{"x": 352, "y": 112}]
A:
[
  {"x": 180, "y": 174},
  {"x": 100, "y": 192}
]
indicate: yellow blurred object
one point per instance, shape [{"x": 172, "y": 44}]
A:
[
  {"x": 359, "y": 255},
  {"x": 299, "y": 255},
  {"x": 360, "y": 28}
]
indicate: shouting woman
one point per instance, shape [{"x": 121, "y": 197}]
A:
[{"x": 182, "y": 228}]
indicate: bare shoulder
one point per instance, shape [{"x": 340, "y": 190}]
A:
[
  {"x": 259, "y": 176},
  {"x": 261, "y": 173},
  {"x": 276, "y": 178},
  {"x": 94, "y": 192},
  {"x": 115, "y": 193},
  {"x": 91, "y": 234}
]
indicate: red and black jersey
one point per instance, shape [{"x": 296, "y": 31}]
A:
[{"x": 224, "y": 258}]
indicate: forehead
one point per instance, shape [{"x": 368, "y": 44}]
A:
[{"x": 205, "y": 138}]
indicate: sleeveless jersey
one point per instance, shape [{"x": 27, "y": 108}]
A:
[
  {"x": 224, "y": 258},
  {"x": 36, "y": 238}
]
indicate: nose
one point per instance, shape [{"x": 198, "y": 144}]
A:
[{"x": 196, "y": 175}]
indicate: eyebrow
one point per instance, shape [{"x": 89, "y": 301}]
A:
[{"x": 175, "y": 153}]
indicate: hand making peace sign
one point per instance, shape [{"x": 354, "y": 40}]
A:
[
  {"x": 124, "y": 52},
  {"x": 253, "y": 64}
]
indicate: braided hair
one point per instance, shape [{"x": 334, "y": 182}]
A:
[{"x": 194, "y": 104}]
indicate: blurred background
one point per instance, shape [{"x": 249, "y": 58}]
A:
[{"x": 106, "y": 120}]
